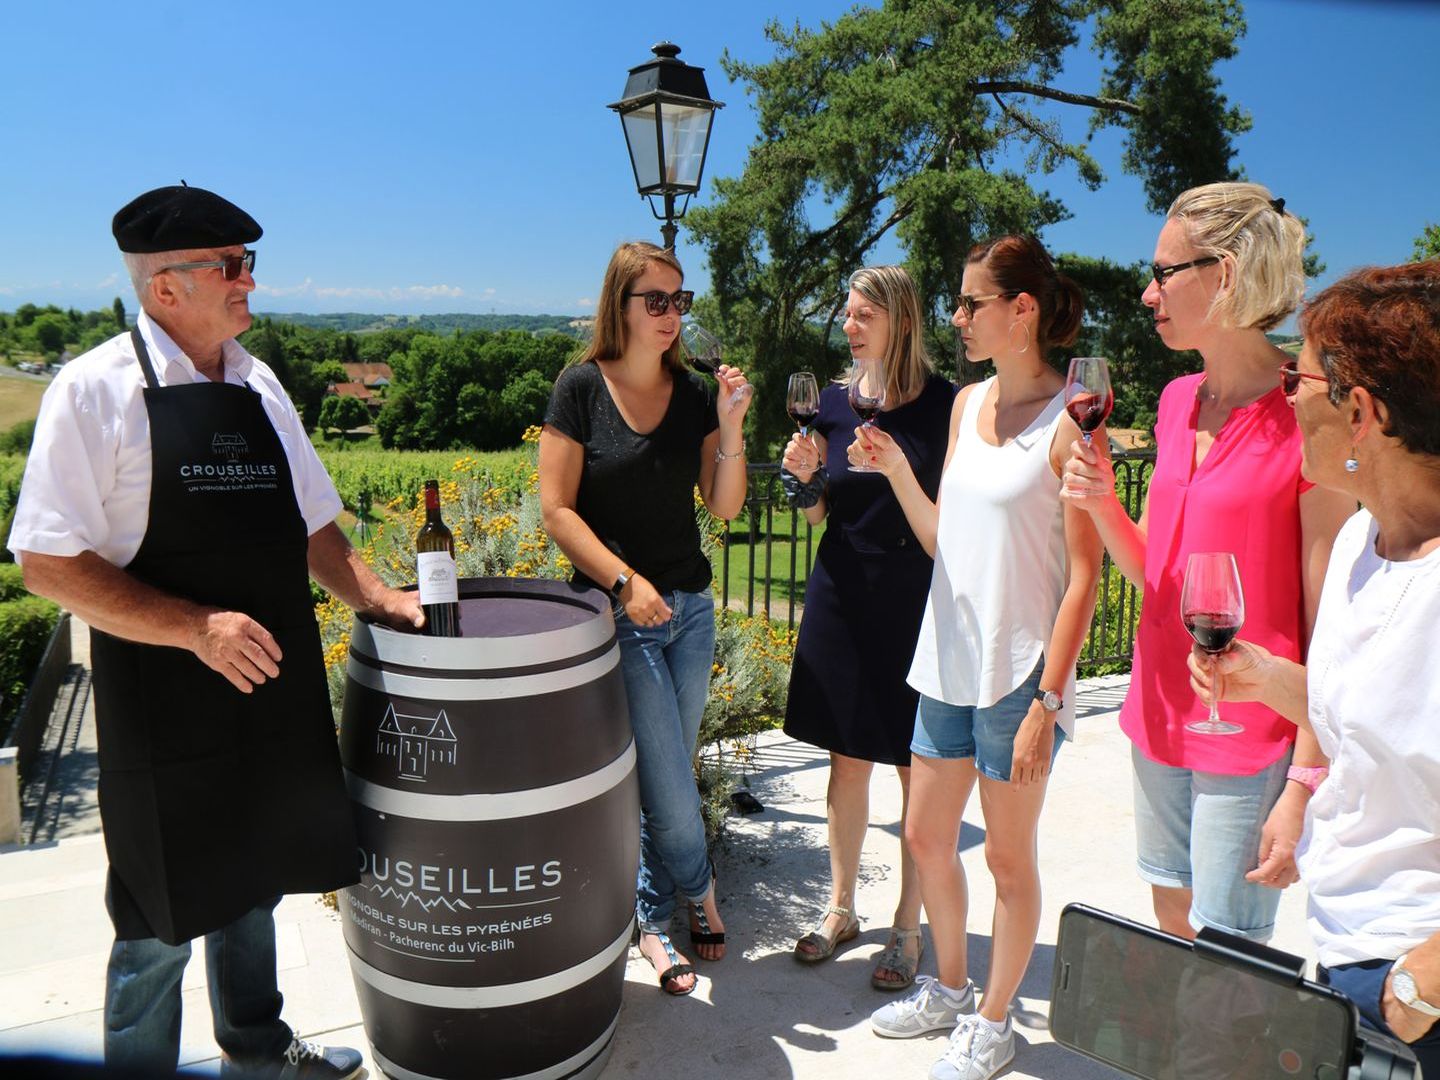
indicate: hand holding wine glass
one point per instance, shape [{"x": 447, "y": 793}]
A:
[
  {"x": 1212, "y": 607},
  {"x": 866, "y": 392},
  {"x": 802, "y": 400}
]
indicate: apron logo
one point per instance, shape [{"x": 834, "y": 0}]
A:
[
  {"x": 414, "y": 742},
  {"x": 229, "y": 445}
]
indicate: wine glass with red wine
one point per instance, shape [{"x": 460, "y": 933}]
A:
[
  {"x": 703, "y": 350},
  {"x": 866, "y": 392},
  {"x": 802, "y": 400},
  {"x": 1088, "y": 396},
  {"x": 1212, "y": 607}
]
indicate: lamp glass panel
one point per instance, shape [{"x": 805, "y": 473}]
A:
[
  {"x": 686, "y": 128},
  {"x": 644, "y": 154}
]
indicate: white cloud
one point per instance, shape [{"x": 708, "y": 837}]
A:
[
  {"x": 489, "y": 292},
  {"x": 585, "y": 301},
  {"x": 7, "y": 290},
  {"x": 113, "y": 279}
]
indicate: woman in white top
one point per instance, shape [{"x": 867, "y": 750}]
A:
[
  {"x": 1366, "y": 393},
  {"x": 1010, "y": 604}
]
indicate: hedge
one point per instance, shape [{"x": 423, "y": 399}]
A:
[{"x": 25, "y": 626}]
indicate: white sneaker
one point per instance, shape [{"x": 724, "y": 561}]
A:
[
  {"x": 976, "y": 1051},
  {"x": 926, "y": 1008}
]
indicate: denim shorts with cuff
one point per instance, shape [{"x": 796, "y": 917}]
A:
[{"x": 985, "y": 734}]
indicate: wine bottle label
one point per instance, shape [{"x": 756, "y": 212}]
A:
[{"x": 439, "y": 584}]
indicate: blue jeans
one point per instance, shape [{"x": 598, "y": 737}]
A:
[
  {"x": 667, "y": 679},
  {"x": 142, "y": 996}
]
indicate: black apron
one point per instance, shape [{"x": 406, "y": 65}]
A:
[{"x": 214, "y": 801}]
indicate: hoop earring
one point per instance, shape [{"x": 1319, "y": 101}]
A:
[{"x": 1011, "y": 331}]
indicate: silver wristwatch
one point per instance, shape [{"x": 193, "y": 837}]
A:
[
  {"x": 1052, "y": 701},
  {"x": 1406, "y": 992}
]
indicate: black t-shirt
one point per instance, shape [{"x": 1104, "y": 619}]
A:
[{"x": 637, "y": 492}]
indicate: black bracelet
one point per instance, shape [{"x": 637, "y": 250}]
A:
[{"x": 804, "y": 494}]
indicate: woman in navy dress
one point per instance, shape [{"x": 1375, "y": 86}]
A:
[{"x": 864, "y": 602}]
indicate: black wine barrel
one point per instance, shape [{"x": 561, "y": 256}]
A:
[{"x": 493, "y": 782}]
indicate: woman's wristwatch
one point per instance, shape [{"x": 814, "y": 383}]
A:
[
  {"x": 1050, "y": 700},
  {"x": 1402, "y": 985},
  {"x": 621, "y": 580}
]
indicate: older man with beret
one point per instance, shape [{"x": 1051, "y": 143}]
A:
[{"x": 173, "y": 501}]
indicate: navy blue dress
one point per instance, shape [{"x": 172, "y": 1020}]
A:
[{"x": 867, "y": 591}]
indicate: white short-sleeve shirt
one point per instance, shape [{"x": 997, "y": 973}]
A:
[{"x": 87, "y": 480}]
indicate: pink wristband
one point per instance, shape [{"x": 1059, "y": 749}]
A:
[{"x": 1310, "y": 775}]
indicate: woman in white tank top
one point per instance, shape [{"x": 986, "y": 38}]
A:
[{"x": 1010, "y": 604}]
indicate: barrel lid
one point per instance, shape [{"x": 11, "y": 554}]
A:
[{"x": 506, "y": 622}]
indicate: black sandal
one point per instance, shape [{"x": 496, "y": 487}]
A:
[
  {"x": 706, "y": 936},
  {"x": 671, "y": 976}
]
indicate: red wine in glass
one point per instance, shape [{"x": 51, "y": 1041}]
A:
[
  {"x": 1088, "y": 396},
  {"x": 1212, "y": 607},
  {"x": 866, "y": 391},
  {"x": 802, "y": 400},
  {"x": 703, "y": 350},
  {"x": 1089, "y": 411}
]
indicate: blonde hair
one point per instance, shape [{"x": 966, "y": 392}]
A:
[
  {"x": 907, "y": 364},
  {"x": 627, "y": 265},
  {"x": 1246, "y": 226}
]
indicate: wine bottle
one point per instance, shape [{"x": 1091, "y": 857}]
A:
[{"x": 435, "y": 569}]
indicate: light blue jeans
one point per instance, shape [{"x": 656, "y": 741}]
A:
[
  {"x": 667, "y": 679},
  {"x": 1201, "y": 831},
  {"x": 142, "y": 996}
]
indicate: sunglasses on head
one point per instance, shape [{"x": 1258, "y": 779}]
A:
[
  {"x": 1290, "y": 377},
  {"x": 657, "y": 302},
  {"x": 230, "y": 266},
  {"x": 968, "y": 304},
  {"x": 1162, "y": 274}
]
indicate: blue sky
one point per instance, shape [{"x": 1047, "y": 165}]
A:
[{"x": 442, "y": 157}]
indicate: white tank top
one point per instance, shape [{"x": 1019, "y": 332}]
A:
[{"x": 1000, "y": 565}]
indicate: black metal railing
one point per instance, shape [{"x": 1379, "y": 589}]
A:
[{"x": 1117, "y": 609}]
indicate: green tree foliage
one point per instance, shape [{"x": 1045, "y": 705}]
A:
[
  {"x": 1427, "y": 244},
  {"x": 933, "y": 120},
  {"x": 343, "y": 413},
  {"x": 49, "y": 332},
  {"x": 118, "y": 310}
]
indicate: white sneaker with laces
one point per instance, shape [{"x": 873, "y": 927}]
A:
[
  {"x": 976, "y": 1051},
  {"x": 926, "y": 1008}
]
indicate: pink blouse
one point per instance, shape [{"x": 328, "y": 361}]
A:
[{"x": 1244, "y": 498}]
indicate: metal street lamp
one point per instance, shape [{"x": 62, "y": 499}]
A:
[{"x": 666, "y": 114}]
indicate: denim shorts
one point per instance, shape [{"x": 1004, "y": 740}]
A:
[
  {"x": 1201, "y": 831},
  {"x": 985, "y": 734}
]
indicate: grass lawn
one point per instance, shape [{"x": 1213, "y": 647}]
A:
[{"x": 19, "y": 400}]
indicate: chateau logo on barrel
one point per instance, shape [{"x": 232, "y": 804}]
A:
[{"x": 415, "y": 742}]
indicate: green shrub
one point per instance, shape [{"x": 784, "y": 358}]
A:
[
  {"x": 25, "y": 627},
  {"x": 12, "y": 582}
]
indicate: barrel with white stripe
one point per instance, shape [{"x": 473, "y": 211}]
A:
[{"x": 493, "y": 781}]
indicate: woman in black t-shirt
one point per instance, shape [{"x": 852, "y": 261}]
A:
[{"x": 628, "y": 434}]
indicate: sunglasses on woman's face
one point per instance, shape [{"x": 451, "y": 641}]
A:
[
  {"x": 230, "y": 266},
  {"x": 1290, "y": 377},
  {"x": 657, "y": 302},
  {"x": 968, "y": 304}
]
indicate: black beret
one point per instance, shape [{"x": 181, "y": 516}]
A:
[{"x": 180, "y": 218}]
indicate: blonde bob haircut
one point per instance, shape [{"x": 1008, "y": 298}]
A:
[
  {"x": 627, "y": 265},
  {"x": 907, "y": 364},
  {"x": 1264, "y": 247}
]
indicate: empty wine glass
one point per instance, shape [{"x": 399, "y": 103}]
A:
[
  {"x": 802, "y": 400},
  {"x": 1212, "y": 607},
  {"x": 866, "y": 392},
  {"x": 703, "y": 350}
]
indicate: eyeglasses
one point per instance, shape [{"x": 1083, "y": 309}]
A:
[
  {"x": 1162, "y": 274},
  {"x": 229, "y": 266},
  {"x": 968, "y": 304},
  {"x": 657, "y": 302},
  {"x": 1290, "y": 377}
]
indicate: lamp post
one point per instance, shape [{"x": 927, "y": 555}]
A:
[{"x": 666, "y": 112}]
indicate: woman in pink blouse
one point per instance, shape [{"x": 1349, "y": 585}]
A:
[{"x": 1216, "y": 819}]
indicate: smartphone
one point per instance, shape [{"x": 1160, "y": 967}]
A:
[{"x": 1157, "y": 1006}]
